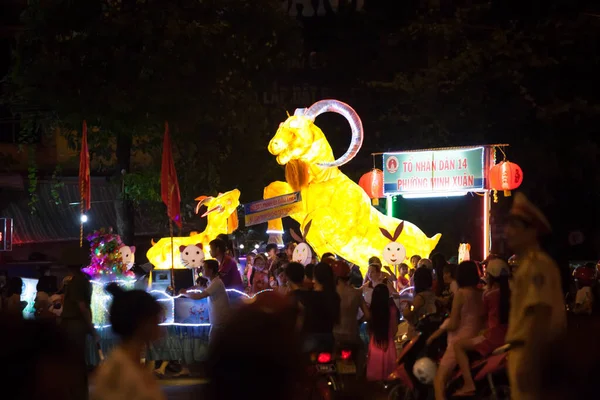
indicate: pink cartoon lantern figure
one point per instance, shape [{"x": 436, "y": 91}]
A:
[
  {"x": 302, "y": 253},
  {"x": 192, "y": 256},
  {"x": 128, "y": 256}
]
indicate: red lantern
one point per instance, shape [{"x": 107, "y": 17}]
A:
[
  {"x": 506, "y": 176},
  {"x": 372, "y": 184}
]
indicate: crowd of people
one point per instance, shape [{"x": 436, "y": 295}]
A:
[{"x": 318, "y": 307}]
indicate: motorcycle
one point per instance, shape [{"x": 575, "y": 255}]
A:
[
  {"x": 489, "y": 375},
  {"x": 403, "y": 383},
  {"x": 321, "y": 375}
]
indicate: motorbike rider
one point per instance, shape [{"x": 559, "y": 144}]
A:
[
  {"x": 346, "y": 332},
  {"x": 537, "y": 315},
  {"x": 496, "y": 303}
]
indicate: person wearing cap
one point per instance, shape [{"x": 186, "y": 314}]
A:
[
  {"x": 537, "y": 315},
  {"x": 496, "y": 305},
  {"x": 346, "y": 331}
]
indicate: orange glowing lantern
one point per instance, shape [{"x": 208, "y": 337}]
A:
[
  {"x": 372, "y": 184},
  {"x": 506, "y": 176}
]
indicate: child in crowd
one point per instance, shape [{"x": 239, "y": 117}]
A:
[
  {"x": 279, "y": 283},
  {"x": 260, "y": 275},
  {"x": 403, "y": 278}
]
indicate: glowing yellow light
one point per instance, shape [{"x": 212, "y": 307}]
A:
[
  {"x": 464, "y": 252},
  {"x": 222, "y": 219},
  {"x": 343, "y": 220}
]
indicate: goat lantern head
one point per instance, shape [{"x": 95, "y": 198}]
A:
[
  {"x": 192, "y": 256},
  {"x": 128, "y": 256},
  {"x": 293, "y": 138},
  {"x": 394, "y": 253},
  {"x": 302, "y": 253},
  {"x": 298, "y": 137}
]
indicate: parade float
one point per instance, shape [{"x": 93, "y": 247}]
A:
[
  {"x": 335, "y": 215},
  {"x": 187, "y": 320}
]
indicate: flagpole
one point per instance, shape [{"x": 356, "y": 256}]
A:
[
  {"x": 81, "y": 207},
  {"x": 172, "y": 250}
]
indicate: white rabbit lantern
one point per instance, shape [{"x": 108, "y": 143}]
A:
[
  {"x": 394, "y": 253},
  {"x": 302, "y": 253}
]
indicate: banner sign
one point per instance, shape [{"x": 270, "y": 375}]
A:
[
  {"x": 6, "y": 234},
  {"x": 436, "y": 171},
  {"x": 274, "y": 208}
]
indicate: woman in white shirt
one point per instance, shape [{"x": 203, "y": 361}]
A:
[
  {"x": 218, "y": 310},
  {"x": 135, "y": 317}
]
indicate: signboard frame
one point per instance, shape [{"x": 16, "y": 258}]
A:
[
  {"x": 436, "y": 171},
  {"x": 262, "y": 211}
]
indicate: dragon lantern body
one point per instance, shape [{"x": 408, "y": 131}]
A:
[
  {"x": 343, "y": 220},
  {"x": 222, "y": 219}
]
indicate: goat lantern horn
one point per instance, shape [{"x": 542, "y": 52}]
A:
[{"x": 351, "y": 116}]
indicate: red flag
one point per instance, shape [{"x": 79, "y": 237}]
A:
[
  {"x": 84, "y": 172},
  {"x": 169, "y": 187}
]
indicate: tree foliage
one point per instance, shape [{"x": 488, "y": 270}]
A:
[
  {"x": 490, "y": 76},
  {"x": 497, "y": 72},
  {"x": 126, "y": 66}
]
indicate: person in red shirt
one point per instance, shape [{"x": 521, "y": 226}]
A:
[
  {"x": 403, "y": 281},
  {"x": 496, "y": 305},
  {"x": 228, "y": 270}
]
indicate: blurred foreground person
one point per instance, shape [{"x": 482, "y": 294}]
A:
[
  {"x": 37, "y": 361},
  {"x": 237, "y": 367},
  {"x": 571, "y": 368},
  {"x": 76, "y": 321},
  {"x": 537, "y": 314},
  {"x": 135, "y": 317}
]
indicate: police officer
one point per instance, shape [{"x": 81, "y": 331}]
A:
[{"x": 537, "y": 315}]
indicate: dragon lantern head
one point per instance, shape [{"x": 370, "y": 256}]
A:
[{"x": 296, "y": 137}]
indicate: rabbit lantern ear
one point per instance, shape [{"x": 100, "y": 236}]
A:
[
  {"x": 386, "y": 234},
  {"x": 296, "y": 237},
  {"x": 398, "y": 231},
  {"x": 306, "y": 229}
]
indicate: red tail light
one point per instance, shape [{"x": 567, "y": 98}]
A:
[
  {"x": 346, "y": 354},
  {"x": 324, "y": 358}
]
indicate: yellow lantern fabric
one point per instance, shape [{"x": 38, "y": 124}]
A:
[
  {"x": 222, "y": 219},
  {"x": 343, "y": 220}
]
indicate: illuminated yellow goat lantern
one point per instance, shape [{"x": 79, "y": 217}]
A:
[
  {"x": 222, "y": 219},
  {"x": 343, "y": 220}
]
